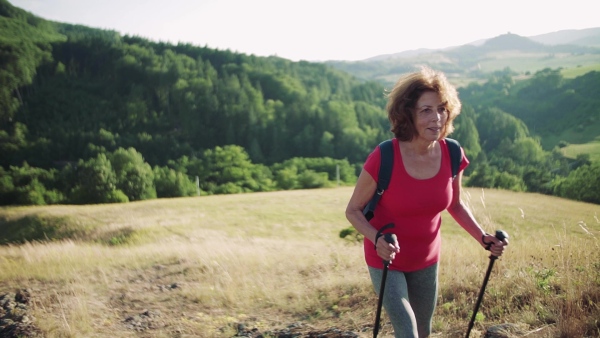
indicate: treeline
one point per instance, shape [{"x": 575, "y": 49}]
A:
[
  {"x": 97, "y": 87},
  {"x": 554, "y": 108},
  {"x": 123, "y": 175},
  {"x": 508, "y": 156},
  {"x": 90, "y": 116}
]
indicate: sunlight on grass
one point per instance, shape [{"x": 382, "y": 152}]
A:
[
  {"x": 573, "y": 72},
  {"x": 204, "y": 264},
  {"x": 592, "y": 148}
]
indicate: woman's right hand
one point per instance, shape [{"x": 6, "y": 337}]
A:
[{"x": 387, "y": 251}]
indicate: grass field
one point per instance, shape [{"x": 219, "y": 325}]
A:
[
  {"x": 523, "y": 62},
  {"x": 199, "y": 266},
  {"x": 573, "y": 72},
  {"x": 591, "y": 148}
]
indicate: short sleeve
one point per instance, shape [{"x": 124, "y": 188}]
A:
[
  {"x": 372, "y": 163},
  {"x": 465, "y": 161}
]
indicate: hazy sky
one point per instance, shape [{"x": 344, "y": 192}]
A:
[{"x": 318, "y": 30}]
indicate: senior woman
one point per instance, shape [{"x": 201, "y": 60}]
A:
[{"x": 421, "y": 108}]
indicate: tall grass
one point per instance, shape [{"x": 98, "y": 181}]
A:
[{"x": 204, "y": 264}]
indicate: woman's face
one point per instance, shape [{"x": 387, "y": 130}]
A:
[{"x": 430, "y": 116}]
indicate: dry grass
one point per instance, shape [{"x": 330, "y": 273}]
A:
[{"x": 271, "y": 259}]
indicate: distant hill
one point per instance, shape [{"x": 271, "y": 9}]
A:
[
  {"x": 581, "y": 37},
  {"x": 474, "y": 61},
  {"x": 405, "y": 54}
]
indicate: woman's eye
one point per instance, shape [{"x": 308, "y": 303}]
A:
[{"x": 441, "y": 110}]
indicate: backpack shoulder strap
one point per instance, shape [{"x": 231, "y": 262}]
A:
[
  {"x": 386, "y": 148},
  {"x": 387, "y": 164},
  {"x": 455, "y": 155}
]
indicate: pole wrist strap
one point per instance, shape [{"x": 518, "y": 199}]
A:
[
  {"x": 488, "y": 245},
  {"x": 380, "y": 233}
]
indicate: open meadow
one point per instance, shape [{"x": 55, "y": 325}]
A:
[
  {"x": 592, "y": 148},
  {"x": 208, "y": 266}
]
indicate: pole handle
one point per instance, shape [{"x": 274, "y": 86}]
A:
[
  {"x": 501, "y": 236},
  {"x": 390, "y": 238}
]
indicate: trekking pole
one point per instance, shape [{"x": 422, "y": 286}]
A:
[
  {"x": 500, "y": 235},
  {"x": 390, "y": 238}
]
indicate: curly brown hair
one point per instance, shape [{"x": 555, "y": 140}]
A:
[{"x": 402, "y": 100}]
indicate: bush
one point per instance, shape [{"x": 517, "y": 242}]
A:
[
  {"x": 222, "y": 168},
  {"x": 508, "y": 181},
  {"x": 116, "y": 196},
  {"x": 7, "y": 188},
  {"x": 30, "y": 194},
  {"x": 134, "y": 176},
  {"x": 350, "y": 234},
  {"x": 171, "y": 183},
  {"x": 581, "y": 184},
  {"x": 28, "y": 185},
  {"x": 228, "y": 188},
  {"x": 96, "y": 181},
  {"x": 310, "y": 179},
  {"x": 287, "y": 178},
  {"x": 38, "y": 227}
]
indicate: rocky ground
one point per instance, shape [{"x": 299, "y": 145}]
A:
[
  {"x": 17, "y": 322},
  {"x": 296, "y": 330},
  {"x": 15, "y": 319}
]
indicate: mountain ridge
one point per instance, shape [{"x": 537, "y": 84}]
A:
[{"x": 588, "y": 37}]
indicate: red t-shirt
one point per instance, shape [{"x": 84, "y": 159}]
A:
[{"x": 415, "y": 207}]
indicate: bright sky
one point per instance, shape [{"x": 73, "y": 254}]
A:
[{"x": 318, "y": 30}]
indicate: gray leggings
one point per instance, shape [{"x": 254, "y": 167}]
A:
[{"x": 409, "y": 299}]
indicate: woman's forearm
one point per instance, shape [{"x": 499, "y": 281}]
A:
[{"x": 463, "y": 216}]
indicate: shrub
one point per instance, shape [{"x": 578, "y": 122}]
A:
[
  {"x": 134, "y": 176},
  {"x": 171, "y": 183},
  {"x": 310, "y": 179}
]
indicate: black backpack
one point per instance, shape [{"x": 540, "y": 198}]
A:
[{"x": 385, "y": 170}]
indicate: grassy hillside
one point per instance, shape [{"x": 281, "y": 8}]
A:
[
  {"x": 573, "y": 72},
  {"x": 591, "y": 148},
  {"x": 198, "y": 267},
  {"x": 532, "y": 62}
]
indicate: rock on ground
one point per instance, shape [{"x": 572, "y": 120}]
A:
[
  {"x": 15, "y": 319},
  {"x": 297, "y": 330}
]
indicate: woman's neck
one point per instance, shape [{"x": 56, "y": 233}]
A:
[{"x": 420, "y": 147}]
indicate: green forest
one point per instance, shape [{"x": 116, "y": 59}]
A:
[{"x": 92, "y": 116}]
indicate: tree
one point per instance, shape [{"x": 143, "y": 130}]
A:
[
  {"x": 27, "y": 185},
  {"x": 12, "y": 143},
  {"x": 466, "y": 132},
  {"x": 310, "y": 179},
  {"x": 581, "y": 184},
  {"x": 287, "y": 178},
  {"x": 296, "y": 166},
  {"x": 484, "y": 177},
  {"x": 495, "y": 125},
  {"x": 134, "y": 176},
  {"x": 527, "y": 150},
  {"x": 220, "y": 167},
  {"x": 171, "y": 183},
  {"x": 96, "y": 182}
]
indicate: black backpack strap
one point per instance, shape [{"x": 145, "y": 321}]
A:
[
  {"x": 455, "y": 155},
  {"x": 386, "y": 148}
]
